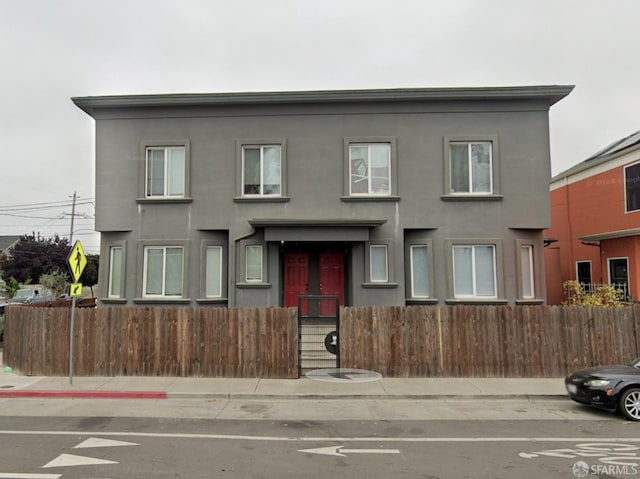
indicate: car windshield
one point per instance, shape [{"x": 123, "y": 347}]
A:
[{"x": 24, "y": 293}]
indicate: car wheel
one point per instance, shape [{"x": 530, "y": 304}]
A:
[{"x": 630, "y": 404}]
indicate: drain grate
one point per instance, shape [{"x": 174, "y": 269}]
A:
[{"x": 7, "y": 386}]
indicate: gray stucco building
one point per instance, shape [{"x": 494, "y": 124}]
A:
[{"x": 380, "y": 197}]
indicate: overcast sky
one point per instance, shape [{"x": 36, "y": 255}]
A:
[{"x": 52, "y": 50}]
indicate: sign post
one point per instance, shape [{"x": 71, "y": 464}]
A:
[{"x": 77, "y": 261}]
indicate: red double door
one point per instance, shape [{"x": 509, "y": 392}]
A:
[{"x": 301, "y": 277}]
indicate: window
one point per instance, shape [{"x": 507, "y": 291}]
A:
[
  {"x": 213, "y": 279},
  {"x": 470, "y": 167},
  {"x": 261, "y": 170},
  {"x": 583, "y": 272},
  {"x": 632, "y": 187},
  {"x": 370, "y": 169},
  {"x": 115, "y": 272},
  {"x": 419, "y": 271},
  {"x": 165, "y": 172},
  {"x": 254, "y": 263},
  {"x": 163, "y": 271},
  {"x": 526, "y": 271},
  {"x": 379, "y": 264},
  {"x": 474, "y": 271}
]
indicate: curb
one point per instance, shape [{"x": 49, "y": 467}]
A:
[{"x": 84, "y": 394}]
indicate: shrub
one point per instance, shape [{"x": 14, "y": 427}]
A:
[{"x": 602, "y": 295}]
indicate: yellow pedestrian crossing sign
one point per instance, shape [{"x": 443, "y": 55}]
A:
[{"x": 77, "y": 261}]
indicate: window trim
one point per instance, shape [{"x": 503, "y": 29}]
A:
[
  {"x": 120, "y": 293},
  {"x": 626, "y": 195},
  {"x": 419, "y": 238},
  {"x": 224, "y": 275},
  {"x": 142, "y": 184},
  {"x": 260, "y": 142},
  {"x": 411, "y": 282},
  {"x": 143, "y": 298},
  {"x": 393, "y": 168},
  {"x": 246, "y": 264},
  {"x": 532, "y": 270},
  {"x": 588, "y": 261},
  {"x": 498, "y": 271},
  {"x": 369, "y": 282},
  {"x": 495, "y": 192}
]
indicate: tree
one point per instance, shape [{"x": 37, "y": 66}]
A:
[
  {"x": 34, "y": 256},
  {"x": 56, "y": 282}
]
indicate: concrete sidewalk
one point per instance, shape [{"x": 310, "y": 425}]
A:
[{"x": 136, "y": 387}]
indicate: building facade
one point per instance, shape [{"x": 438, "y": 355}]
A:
[
  {"x": 595, "y": 220},
  {"x": 377, "y": 197}
]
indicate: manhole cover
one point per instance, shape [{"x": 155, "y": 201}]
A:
[{"x": 343, "y": 375}]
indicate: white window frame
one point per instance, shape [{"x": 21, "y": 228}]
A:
[
  {"x": 385, "y": 248},
  {"x": 412, "y": 272},
  {"x": 588, "y": 261},
  {"x": 261, "y": 148},
  {"x": 531, "y": 265},
  {"x": 166, "y": 171},
  {"x": 164, "y": 249},
  {"x": 115, "y": 290},
  {"x": 369, "y": 176},
  {"x": 259, "y": 248},
  {"x": 474, "y": 285},
  {"x": 219, "y": 274}
]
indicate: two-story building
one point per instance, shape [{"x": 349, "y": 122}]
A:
[
  {"x": 595, "y": 220},
  {"x": 379, "y": 197}
]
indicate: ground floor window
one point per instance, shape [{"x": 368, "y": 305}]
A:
[
  {"x": 115, "y": 272},
  {"x": 163, "y": 271},
  {"x": 213, "y": 280},
  {"x": 527, "y": 271},
  {"x": 379, "y": 263},
  {"x": 419, "y": 271},
  {"x": 254, "y": 263},
  {"x": 474, "y": 271}
]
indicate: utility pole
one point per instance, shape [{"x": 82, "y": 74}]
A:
[{"x": 73, "y": 215}]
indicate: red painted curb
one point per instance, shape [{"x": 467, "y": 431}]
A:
[{"x": 84, "y": 394}]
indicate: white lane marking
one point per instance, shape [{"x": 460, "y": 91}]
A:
[
  {"x": 318, "y": 439},
  {"x": 65, "y": 460},
  {"x": 99, "y": 442},
  {"x": 18, "y": 475},
  {"x": 340, "y": 451}
]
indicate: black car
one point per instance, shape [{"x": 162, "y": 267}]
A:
[{"x": 611, "y": 388}]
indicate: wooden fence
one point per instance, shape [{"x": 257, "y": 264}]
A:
[{"x": 414, "y": 341}]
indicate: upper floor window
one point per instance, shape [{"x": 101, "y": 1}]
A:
[
  {"x": 470, "y": 167},
  {"x": 261, "y": 170},
  {"x": 632, "y": 187},
  {"x": 474, "y": 271},
  {"x": 163, "y": 271},
  {"x": 165, "y": 172},
  {"x": 471, "y": 164},
  {"x": 370, "y": 169}
]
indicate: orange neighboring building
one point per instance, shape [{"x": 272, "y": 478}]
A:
[{"x": 595, "y": 221}]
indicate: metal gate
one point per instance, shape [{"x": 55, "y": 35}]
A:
[{"x": 318, "y": 328}]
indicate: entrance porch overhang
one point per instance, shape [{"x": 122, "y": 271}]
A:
[
  {"x": 316, "y": 230},
  {"x": 611, "y": 235}
]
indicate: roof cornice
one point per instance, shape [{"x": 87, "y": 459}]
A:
[{"x": 547, "y": 93}]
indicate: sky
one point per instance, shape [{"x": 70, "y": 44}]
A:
[{"x": 52, "y": 50}]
